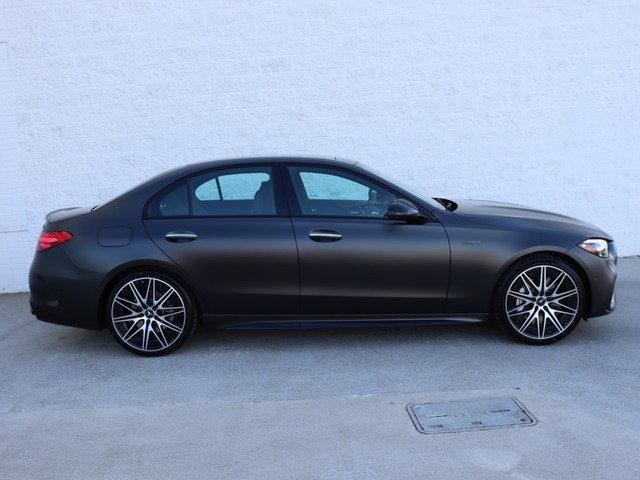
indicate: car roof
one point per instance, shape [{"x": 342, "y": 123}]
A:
[
  {"x": 230, "y": 162},
  {"x": 269, "y": 159}
]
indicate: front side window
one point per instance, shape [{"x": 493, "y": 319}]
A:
[
  {"x": 327, "y": 192},
  {"x": 244, "y": 191}
]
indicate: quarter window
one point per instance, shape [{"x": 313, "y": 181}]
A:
[{"x": 172, "y": 203}]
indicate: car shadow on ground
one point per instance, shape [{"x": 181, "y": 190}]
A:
[
  {"x": 207, "y": 336},
  {"x": 482, "y": 334}
]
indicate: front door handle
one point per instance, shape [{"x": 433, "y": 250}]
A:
[
  {"x": 324, "y": 235},
  {"x": 179, "y": 236}
]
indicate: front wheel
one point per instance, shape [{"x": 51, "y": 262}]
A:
[
  {"x": 539, "y": 300},
  {"x": 150, "y": 314}
]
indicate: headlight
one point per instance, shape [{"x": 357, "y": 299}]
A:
[{"x": 597, "y": 246}]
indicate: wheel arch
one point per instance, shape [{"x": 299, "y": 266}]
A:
[
  {"x": 138, "y": 266},
  {"x": 559, "y": 254}
]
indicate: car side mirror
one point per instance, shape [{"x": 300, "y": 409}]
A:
[{"x": 404, "y": 211}]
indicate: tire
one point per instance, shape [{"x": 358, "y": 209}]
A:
[
  {"x": 539, "y": 316},
  {"x": 150, "y": 314}
]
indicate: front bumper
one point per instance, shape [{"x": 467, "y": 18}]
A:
[{"x": 601, "y": 276}]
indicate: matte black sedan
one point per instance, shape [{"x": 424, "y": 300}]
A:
[{"x": 287, "y": 242}]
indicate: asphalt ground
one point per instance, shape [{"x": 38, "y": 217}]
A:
[{"x": 317, "y": 403}]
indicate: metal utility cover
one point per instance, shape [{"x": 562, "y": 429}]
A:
[{"x": 466, "y": 415}]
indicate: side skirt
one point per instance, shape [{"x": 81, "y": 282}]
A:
[{"x": 238, "y": 322}]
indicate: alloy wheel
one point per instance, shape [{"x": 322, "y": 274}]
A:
[
  {"x": 542, "y": 302},
  {"x": 148, "y": 314}
]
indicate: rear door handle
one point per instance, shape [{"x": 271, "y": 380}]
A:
[
  {"x": 179, "y": 236},
  {"x": 324, "y": 235}
]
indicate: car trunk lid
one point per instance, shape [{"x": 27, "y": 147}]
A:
[{"x": 66, "y": 213}]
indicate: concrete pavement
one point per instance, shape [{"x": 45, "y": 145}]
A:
[{"x": 317, "y": 404}]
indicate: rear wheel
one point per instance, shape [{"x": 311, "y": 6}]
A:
[
  {"x": 150, "y": 314},
  {"x": 539, "y": 300}
]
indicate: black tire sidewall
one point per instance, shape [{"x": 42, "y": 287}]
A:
[
  {"x": 497, "y": 309},
  {"x": 190, "y": 311}
]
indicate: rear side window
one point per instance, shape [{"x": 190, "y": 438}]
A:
[
  {"x": 244, "y": 191},
  {"x": 171, "y": 203},
  {"x": 241, "y": 191},
  {"x": 209, "y": 190}
]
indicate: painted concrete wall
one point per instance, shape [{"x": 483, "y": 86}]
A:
[{"x": 534, "y": 102}]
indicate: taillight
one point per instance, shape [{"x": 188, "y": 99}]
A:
[{"x": 48, "y": 240}]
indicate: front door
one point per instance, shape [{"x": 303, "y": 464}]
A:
[
  {"x": 230, "y": 231},
  {"x": 352, "y": 259}
]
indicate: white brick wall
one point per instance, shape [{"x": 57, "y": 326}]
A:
[
  {"x": 531, "y": 101},
  {"x": 16, "y": 244}
]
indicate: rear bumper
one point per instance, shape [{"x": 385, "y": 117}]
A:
[
  {"x": 62, "y": 293},
  {"x": 602, "y": 274},
  {"x": 51, "y": 314}
]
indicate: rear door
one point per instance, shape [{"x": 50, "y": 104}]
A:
[
  {"x": 352, "y": 259},
  {"x": 230, "y": 231}
]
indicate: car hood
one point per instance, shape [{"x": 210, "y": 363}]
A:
[{"x": 500, "y": 214}]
